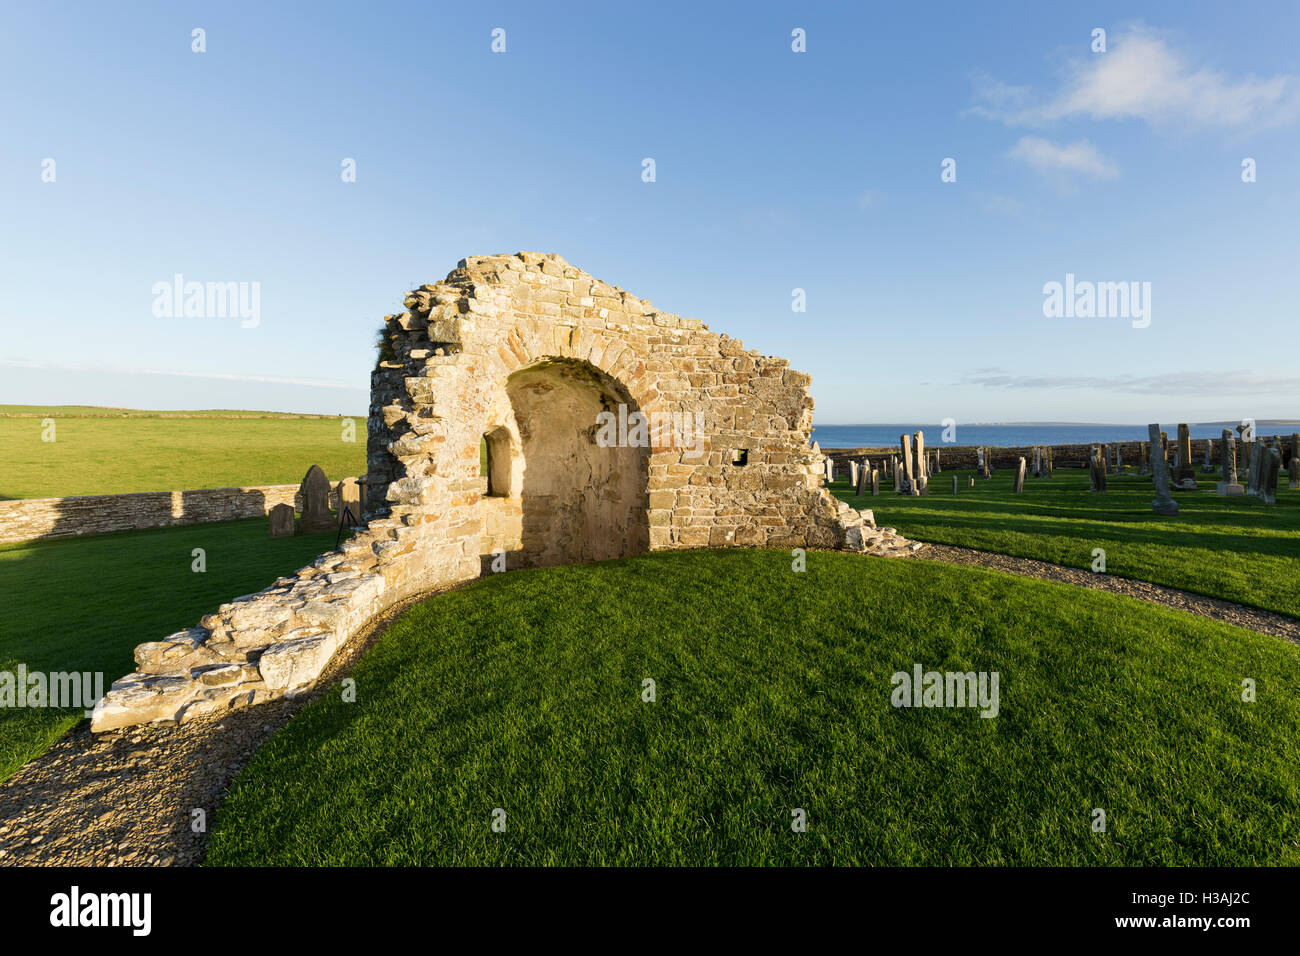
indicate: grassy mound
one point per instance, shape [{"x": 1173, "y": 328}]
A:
[
  {"x": 83, "y": 604},
  {"x": 524, "y": 692},
  {"x": 1238, "y": 549}
]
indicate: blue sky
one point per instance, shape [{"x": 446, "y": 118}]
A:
[{"x": 775, "y": 170}]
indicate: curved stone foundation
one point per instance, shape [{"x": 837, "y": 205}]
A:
[{"x": 522, "y": 413}]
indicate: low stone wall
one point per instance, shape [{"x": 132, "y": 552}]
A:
[
  {"x": 29, "y": 518},
  {"x": 957, "y": 457}
]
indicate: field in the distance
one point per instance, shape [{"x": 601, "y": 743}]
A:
[{"x": 99, "y": 451}]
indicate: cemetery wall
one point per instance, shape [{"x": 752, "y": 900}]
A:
[{"x": 30, "y": 518}]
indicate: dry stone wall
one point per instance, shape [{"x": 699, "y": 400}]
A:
[
  {"x": 30, "y": 518},
  {"x": 547, "y": 373}
]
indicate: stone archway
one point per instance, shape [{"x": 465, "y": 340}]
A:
[{"x": 580, "y": 501}]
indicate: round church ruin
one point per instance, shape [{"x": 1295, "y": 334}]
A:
[{"x": 523, "y": 413}]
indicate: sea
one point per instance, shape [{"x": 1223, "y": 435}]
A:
[{"x": 1007, "y": 436}]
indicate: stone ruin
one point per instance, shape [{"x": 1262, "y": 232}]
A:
[{"x": 523, "y": 413}]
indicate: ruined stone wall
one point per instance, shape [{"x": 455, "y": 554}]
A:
[
  {"x": 453, "y": 375},
  {"x": 523, "y": 353},
  {"x": 30, "y": 518}
]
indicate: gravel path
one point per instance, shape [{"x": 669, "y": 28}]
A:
[
  {"x": 1266, "y": 622},
  {"x": 127, "y": 798}
]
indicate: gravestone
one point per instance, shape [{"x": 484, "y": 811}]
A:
[
  {"x": 954, "y": 484},
  {"x": 938, "y": 465},
  {"x": 1208, "y": 464},
  {"x": 970, "y": 481},
  {"x": 1228, "y": 466},
  {"x": 280, "y": 519},
  {"x": 1255, "y": 466},
  {"x": 909, "y": 465},
  {"x": 1097, "y": 469},
  {"x": 1164, "y": 503},
  {"x": 1020, "y": 477},
  {"x": 922, "y": 464},
  {"x": 1047, "y": 458},
  {"x": 315, "y": 494},
  {"x": 864, "y": 477},
  {"x": 349, "y": 503},
  {"x": 1119, "y": 459},
  {"x": 1184, "y": 476},
  {"x": 875, "y": 482},
  {"x": 1144, "y": 457},
  {"x": 853, "y": 473},
  {"x": 1293, "y": 473},
  {"x": 1271, "y": 467}
]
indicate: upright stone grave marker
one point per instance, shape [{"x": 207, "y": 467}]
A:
[
  {"x": 1272, "y": 467},
  {"x": 1164, "y": 503},
  {"x": 922, "y": 465},
  {"x": 1255, "y": 466},
  {"x": 875, "y": 482},
  {"x": 1097, "y": 469},
  {"x": 1184, "y": 476},
  {"x": 315, "y": 493},
  {"x": 1020, "y": 477},
  {"x": 909, "y": 479},
  {"x": 1228, "y": 466},
  {"x": 281, "y": 521}
]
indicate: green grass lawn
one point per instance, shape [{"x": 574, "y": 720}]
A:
[
  {"x": 83, "y": 604},
  {"x": 1238, "y": 549},
  {"x": 97, "y": 454},
  {"x": 524, "y": 692}
]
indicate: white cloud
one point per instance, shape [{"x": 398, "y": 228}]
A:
[
  {"x": 869, "y": 198},
  {"x": 1080, "y": 157},
  {"x": 1181, "y": 383},
  {"x": 1142, "y": 77}
]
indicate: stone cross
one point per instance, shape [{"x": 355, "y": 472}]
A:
[
  {"x": 1020, "y": 477},
  {"x": 281, "y": 521},
  {"x": 315, "y": 493},
  {"x": 1164, "y": 503},
  {"x": 1228, "y": 466}
]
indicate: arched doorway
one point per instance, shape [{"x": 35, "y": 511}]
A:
[{"x": 580, "y": 501}]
